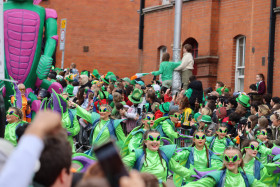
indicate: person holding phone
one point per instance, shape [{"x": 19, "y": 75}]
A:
[
  {"x": 103, "y": 127},
  {"x": 156, "y": 160}
]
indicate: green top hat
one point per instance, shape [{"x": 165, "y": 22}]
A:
[
  {"x": 243, "y": 100},
  {"x": 103, "y": 94},
  {"x": 95, "y": 74},
  {"x": 164, "y": 108},
  {"x": 69, "y": 90},
  {"x": 110, "y": 76},
  {"x": 136, "y": 96},
  {"x": 206, "y": 119},
  {"x": 126, "y": 79}
]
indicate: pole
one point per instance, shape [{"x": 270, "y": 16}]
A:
[
  {"x": 271, "y": 47},
  {"x": 62, "y": 60},
  {"x": 176, "y": 78}
]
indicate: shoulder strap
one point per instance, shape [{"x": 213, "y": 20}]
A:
[
  {"x": 171, "y": 123},
  {"x": 245, "y": 179},
  {"x": 228, "y": 141},
  {"x": 257, "y": 168},
  {"x": 71, "y": 116},
  {"x": 212, "y": 142},
  {"x": 221, "y": 182},
  {"x": 94, "y": 124},
  {"x": 139, "y": 160},
  {"x": 190, "y": 159},
  {"x": 112, "y": 129},
  {"x": 210, "y": 153},
  {"x": 165, "y": 158}
]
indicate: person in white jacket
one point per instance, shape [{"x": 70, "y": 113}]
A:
[{"x": 187, "y": 65}]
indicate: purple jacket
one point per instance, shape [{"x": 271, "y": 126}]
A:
[{"x": 261, "y": 88}]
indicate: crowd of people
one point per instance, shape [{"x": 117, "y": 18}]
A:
[{"x": 197, "y": 137}]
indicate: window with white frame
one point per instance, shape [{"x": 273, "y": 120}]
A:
[
  {"x": 240, "y": 63},
  {"x": 162, "y": 50}
]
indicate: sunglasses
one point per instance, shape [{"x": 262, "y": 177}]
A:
[
  {"x": 198, "y": 137},
  {"x": 262, "y": 133},
  {"x": 149, "y": 118},
  {"x": 12, "y": 113},
  {"x": 233, "y": 159},
  {"x": 104, "y": 110},
  {"x": 253, "y": 147},
  {"x": 221, "y": 131},
  {"x": 151, "y": 138},
  {"x": 176, "y": 115}
]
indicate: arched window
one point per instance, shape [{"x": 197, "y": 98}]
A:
[
  {"x": 240, "y": 42},
  {"x": 161, "y": 50},
  {"x": 194, "y": 45}
]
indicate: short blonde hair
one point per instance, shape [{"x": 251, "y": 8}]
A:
[
  {"x": 206, "y": 111},
  {"x": 264, "y": 109}
]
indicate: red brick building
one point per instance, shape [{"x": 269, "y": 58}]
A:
[
  {"x": 108, "y": 29},
  {"x": 230, "y": 38}
]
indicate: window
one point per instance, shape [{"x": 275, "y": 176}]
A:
[
  {"x": 194, "y": 45},
  {"x": 165, "y": 2},
  {"x": 162, "y": 50},
  {"x": 240, "y": 63}
]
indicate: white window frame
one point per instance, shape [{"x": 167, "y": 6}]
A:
[
  {"x": 237, "y": 68},
  {"x": 162, "y": 49}
]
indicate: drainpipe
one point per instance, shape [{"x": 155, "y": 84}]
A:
[
  {"x": 141, "y": 35},
  {"x": 141, "y": 25},
  {"x": 271, "y": 47}
]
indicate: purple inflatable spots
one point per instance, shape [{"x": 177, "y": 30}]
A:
[
  {"x": 56, "y": 105},
  {"x": 21, "y": 30},
  {"x": 18, "y": 103}
]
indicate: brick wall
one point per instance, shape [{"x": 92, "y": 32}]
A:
[
  {"x": 215, "y": 25},
  {"x": 109, "y": 28}
]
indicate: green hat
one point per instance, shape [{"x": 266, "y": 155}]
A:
[
  {"x": 136, "y": 96},
  {"x": 126, "y": 79},
  {"x": 243, "y": 100},
  {"x": 133, "y": 82},
  {"x": 110, "y": 76},
  {"x": 141, "y": 83},
  {"x": 164, "y": 108},
  {"x": 95, "y": 74},
  {"x": 103, "y": 94},
  {"x": 69, "y": 90},
  {"x": 196, "y": 115},
  {"x": 94, "y": 82},
  {"x": 206, "y": 119},
  {"x": 84, "y": 73},
  {"x": 71, "y": 77},
  {"x": 58, "y": 69}
]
